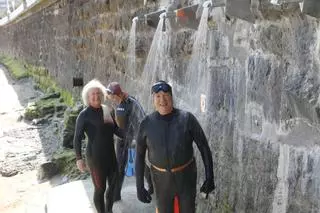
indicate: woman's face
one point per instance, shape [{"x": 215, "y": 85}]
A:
[
  {"x": 94, "y": 97},
  {"x": 163, "y": 102}
]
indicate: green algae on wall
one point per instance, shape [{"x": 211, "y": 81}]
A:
[
  {"x": 45, "y": 82},
  {"x": 16, "y": 68},
  {"x": 48, "y": 84}
]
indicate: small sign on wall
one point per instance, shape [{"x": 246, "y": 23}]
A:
[{"x": 203, "y": 100}]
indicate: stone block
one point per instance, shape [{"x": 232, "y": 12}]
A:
[
  {"x": 240, "y": 9},
  {"x": 312, "y": 8},
  {"x": 46, "y": 171}
]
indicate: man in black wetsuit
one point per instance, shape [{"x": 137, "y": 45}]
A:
[
  {"x": 95, "y": 120},
  {"x": 168, "y": 135},
  {"x": 128, "y": 115}
]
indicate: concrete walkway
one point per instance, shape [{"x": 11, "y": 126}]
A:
[{"x": 77, "y": 197}]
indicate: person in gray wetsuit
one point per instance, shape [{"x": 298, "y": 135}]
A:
[{"x": 128, "y": 115}]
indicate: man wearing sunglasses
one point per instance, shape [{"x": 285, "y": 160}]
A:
[
  {"x": 168, "y": 135},
  {"x": 128, "y": 115}
]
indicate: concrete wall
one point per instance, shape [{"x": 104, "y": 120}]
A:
[{"x": 260, "y": 83}]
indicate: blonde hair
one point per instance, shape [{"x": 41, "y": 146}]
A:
[{"x": 93, "y": 84}]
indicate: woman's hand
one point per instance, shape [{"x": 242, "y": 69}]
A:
[{"x": 81, "y": 165}]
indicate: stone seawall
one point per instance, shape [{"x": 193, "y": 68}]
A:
[{"x": 259, "y": 89}]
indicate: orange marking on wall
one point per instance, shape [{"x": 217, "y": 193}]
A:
[{"x": 180, "y": 13}]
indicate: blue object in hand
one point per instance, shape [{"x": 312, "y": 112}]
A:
[{"x": 130, "y": 165}]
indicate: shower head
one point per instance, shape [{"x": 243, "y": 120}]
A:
[
  {"x": 207, "y": 4},
  {"x": 135, "y": 19},
  {"x": 163, "y": 15}
]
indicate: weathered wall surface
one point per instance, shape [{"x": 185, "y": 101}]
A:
[
  {"x": 261, "y": 84},
  {"x": 74, "y": 38}
]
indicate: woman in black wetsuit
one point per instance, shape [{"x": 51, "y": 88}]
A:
[{"x": 95, "y": 120}]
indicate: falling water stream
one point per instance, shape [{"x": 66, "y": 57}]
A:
[
  {"x": 198, "y": 76},
  {"x": 280, "y": 199},
  {"x": 198, "y": 64},
  {"x": 150, "y": 67},
  {"x": 131, "y": 61},
  {"x": 158, "y": 64}
]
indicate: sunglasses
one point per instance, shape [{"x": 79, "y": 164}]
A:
[{"x": 161, "y": 87}]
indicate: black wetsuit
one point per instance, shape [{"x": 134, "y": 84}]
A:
[
  {"x": 169, "y": 140},
  {"x": 100, "y": 154},
  {"x": 129, "y": 114}
]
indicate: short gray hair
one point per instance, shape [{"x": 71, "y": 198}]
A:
[{"x": 93, "y": 84}]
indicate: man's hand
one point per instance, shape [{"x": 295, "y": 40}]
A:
[
  {"x": 208, "y": 186},
  {"x": 81, "y": 165},
  {"x": 143, "y": 195}
]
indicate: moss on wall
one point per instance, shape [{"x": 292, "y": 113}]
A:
[
  {"x": 15, "y": 67},
  {"x": 47, "y": 83},
  {"x": 20, "y": 69},
  {"x": 225, "y": 206}
]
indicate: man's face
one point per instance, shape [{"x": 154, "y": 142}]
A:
[
  {"x": 94, "y": 97},
  {"x": 113, "y": 98},
  {"x": 163, "y": 102}
]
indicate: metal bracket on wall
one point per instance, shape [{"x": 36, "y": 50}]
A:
[
  {"x": 312, "y": 8},
  {"x": 240, "y": 9}
]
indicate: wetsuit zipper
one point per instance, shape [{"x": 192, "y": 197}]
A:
[{"x": 167, "y": 148}]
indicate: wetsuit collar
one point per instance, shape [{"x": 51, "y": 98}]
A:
[
  {"x": 94, "y": 109},
  {"x": 167, "y": 117},
  {"x": 125, "y": 98}
]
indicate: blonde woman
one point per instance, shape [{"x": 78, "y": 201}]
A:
[{"x": 96, "y": 121}]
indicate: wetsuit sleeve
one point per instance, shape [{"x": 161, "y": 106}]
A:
[
  {"x": 118, "y": 131},
  {"x": 200, "y": 139},
  {"x": 140, "y": 155},
  {"x": 78, "y": 135},
  {"x": 139, "y": 115}
]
